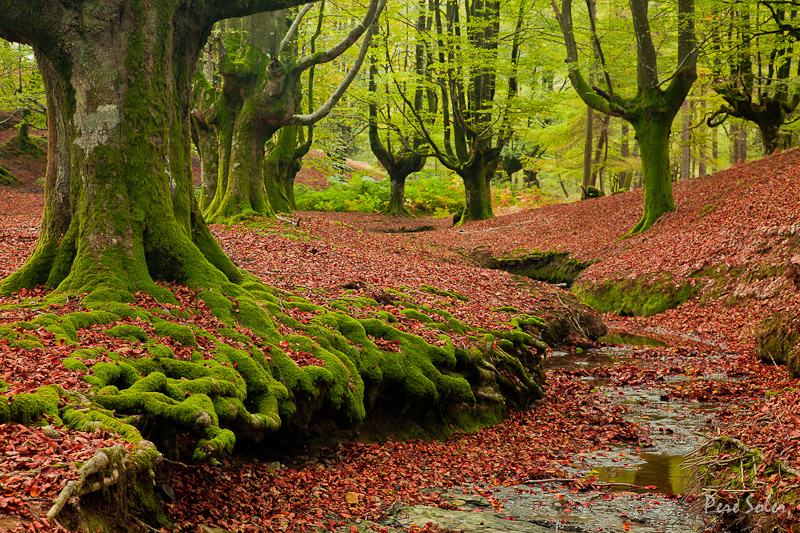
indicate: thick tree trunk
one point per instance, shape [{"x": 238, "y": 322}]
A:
[
  {"x": 652, "y": 132},
  {"x": 278, "y": 168},
  {"x": 477, "y": 179},
  {"x": 120, "y": 207},
  {"x": 397, "y": 195},
  {"x": 770, "y": 137}
]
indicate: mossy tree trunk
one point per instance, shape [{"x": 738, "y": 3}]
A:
[
  {"x": 652, "y": 110},
  {"x": 652, "y": 132},
  {"x": 270, "y": 95},
  {"x": 407, "y": 159},
  {"x": 756, "y": 80},
  {"x": 282, "y": 165},
  {"x": 120, "y": 209},
  {"x": 120, "y": 214},
  {"x": 266, "y": 76},
  {"x": 477, "y": 178}
]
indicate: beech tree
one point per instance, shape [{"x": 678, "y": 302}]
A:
[
  {"x": 652, "y": 109},
  {"x": 120, "y": 210},
  {"x": 401, "y": 154},
  {"x": 262, "y": 92},
  {"x": 464, "y": 66},
  {"x": 755, "y": 65},
  {"x": 120, "y": 216}
]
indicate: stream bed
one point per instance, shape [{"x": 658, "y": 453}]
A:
[{"x": 632, "y": 488}]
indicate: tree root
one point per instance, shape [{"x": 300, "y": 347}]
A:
[{"x": 112, "y": 464}]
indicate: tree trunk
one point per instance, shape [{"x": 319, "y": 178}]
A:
[
  {"x": 587, "y": 148},
  {"x": 277, "y": 169},
  {"x": 652, "y": 132},
  {"x": 625, "y": 177},
  {"x": 686, "y": 138},
  {"x": 770, "y": 137},
  {"x": 397, "y": 195},
  {"x": 477, "y": 179},
  {"x": 205, "y": 139},
  {"x": 120, "y": 209}
]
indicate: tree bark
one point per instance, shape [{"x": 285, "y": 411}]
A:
[
  {"x": 686, "y": 138},
  {"x": 120, "y": 209},
  {"x": 587, "y": 148},
  {"x": 652, "y": 132}
]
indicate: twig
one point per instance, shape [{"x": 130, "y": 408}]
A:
[{"x": 176, "y": 463}]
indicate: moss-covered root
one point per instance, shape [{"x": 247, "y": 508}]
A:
[
  {"x": 128, "y": 475},
  {"x": 6, "y": 178}
]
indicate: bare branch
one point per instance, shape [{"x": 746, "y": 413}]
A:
[
  {"x": 375, "y": 8},
  {"x": 307, "y": 120}
]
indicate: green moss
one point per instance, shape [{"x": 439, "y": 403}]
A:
[
  {"x": 26, "y": 344},
  {"x": 128, "y": 332},
  {"x": 121, "y": 375},
  {"x": 85, "y": 319},
  {"x": 5, "y": 410},
  {"x": 637, "y": 297},
  {"x": 439, "y": 292},
  {"x": 160, "y": 351},
  {"x": 82, "y": 419},
  {"x": 386, "y": 316},
  {"x": 416, "y": 315},
  {"x": 75, "y": 365},
  {"x": 27, "y": 408},
  {"x": 776, "y": 340},
  {"x": 254, "y": 317},
  {"x": 177, "y": 332}
]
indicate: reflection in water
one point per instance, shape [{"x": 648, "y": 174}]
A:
[{"x": 660, "y": 470}]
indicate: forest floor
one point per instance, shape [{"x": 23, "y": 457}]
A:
[{"x": 733, "y": 235}]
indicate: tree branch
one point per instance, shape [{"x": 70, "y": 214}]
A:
[
  {"x": 307, "y": 120},
  {"x": 290, "y": 33},
  {"x": 374, "y": 10}
]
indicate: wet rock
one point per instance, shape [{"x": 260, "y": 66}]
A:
[{"x": 468, "y": 522}]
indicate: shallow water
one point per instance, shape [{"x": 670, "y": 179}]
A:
[{"x": 635, "y": 489}]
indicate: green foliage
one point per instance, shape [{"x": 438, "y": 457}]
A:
[
  {"x": 427, "y": 193},
  {"x": 21, "y": 88}
]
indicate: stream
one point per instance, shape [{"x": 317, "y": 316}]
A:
[{"x": 636, "y": 489}]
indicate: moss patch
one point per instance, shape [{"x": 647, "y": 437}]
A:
[
  {"x": 551, "y": 267},
  {"x": 777, "y": 342},
  {"x": 637, "y": 297}
]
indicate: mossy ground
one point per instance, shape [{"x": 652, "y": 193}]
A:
[{"x": 216, "y": 371}]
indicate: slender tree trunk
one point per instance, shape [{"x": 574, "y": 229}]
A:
[
  {"x": 714, "y": 149},
  {"x": 625, "y": 176},
  {"x": 686, "y": 139},
  {"x": 587, "y": 148}
]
